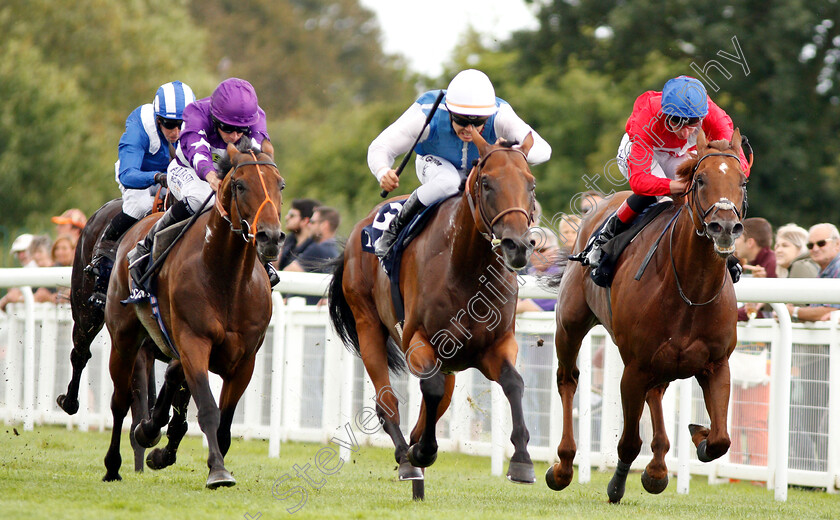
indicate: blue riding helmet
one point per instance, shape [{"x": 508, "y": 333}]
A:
[
  {"x": 685, "y": 97},
  {"x": 171, "y": 99}
]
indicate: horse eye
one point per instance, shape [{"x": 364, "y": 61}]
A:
[
  {"x": 700, "y": 182},
  {"x": 238, "y": 186},
  {"x": 283, "y": 186},
  {"x": 485, "y": 184}
]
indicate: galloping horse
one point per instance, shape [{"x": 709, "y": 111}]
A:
[
  {"x": 88, "y": 321},
  {"x": 455, "y": 317},
  {"x": 214, "y": 300},
  {"x": 677, "y": 321}
]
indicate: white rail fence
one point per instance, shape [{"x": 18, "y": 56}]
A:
[{"x": 784, "y": 408}]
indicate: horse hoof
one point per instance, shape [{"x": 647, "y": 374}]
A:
[
  {"x": 409, "y": 472},
  {"x": 615, "y": 489},
  {"x": 702, "y": 454},
  {"x": 111, "y": 477},
  {"x": 521, "y": 472},
  {"x": 220, "y": 478},
  {"x": 142, "y": 439},
  {"x": 71, "y": 406},
  {"x": 159, "y": 459},
  {"x": 417, "y": 459},
  {"x": 552, "y": 483},
  {"x": 654, "y": 486}
]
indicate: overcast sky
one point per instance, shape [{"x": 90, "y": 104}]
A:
[{"x": 426, "y": 32}]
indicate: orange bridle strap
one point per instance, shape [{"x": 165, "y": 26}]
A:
[{"x": 267, "y": 200}]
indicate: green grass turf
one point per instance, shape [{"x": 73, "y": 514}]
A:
[{"x": 53, "y": 473}]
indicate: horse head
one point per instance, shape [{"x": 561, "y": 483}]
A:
[
  {"x": 500, "y": 192},
  {"x": 717, "y": 193},
  {"x": 251, "y": 194}
]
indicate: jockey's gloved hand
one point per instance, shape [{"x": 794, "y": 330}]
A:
[{"x": 160, "y": 178}]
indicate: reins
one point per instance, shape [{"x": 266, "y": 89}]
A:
[{"x": 486, "y": 222}]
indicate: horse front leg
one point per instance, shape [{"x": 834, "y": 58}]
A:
[
  {"x": 147, "y": 432},
  {"x": 420, "y": 425},
  {"x": 422, "y": 360},
  {"x": 194, "y": 359},
  {"x": 499, "y": 366},
  {"x": 232, "y": 391},
  {"x": 633, "y": 392},
  {"x": 160, "y": 458},
  {"x": 713, "y": 443},
  {"x": 655, "y": 476},
  {"x": 79, "y": 356}
]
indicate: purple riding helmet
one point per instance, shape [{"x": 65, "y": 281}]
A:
[{"x": 234, "y": 102}]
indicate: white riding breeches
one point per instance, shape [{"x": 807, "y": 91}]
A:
[
  {"x": 185, "y": 185},
  {"x": 138, "y": 203},
  {"x": 439, "y": 178}
]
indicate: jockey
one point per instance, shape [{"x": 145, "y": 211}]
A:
[
  {"x": 231, "y": 113},
  {"x": 143, "y": 157},
  {"x": 445, "y": 152},
  {"x": 661, "y": 135}
]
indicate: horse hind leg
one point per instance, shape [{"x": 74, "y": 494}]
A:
[
  {"x": 160, "y": 458},
  {"x": 655, "y": 476}
]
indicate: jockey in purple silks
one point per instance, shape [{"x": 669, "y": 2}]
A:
[{"x": 230, "y": 114}]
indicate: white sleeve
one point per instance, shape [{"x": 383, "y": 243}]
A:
[
  {"x": 395, "y": 140},
  {"x": 509, "y": 126}
]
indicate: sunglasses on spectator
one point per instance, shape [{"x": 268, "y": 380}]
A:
[
  {"x": 170, "y": 124},
  {"x": 466, "y": 121},
  {"x": 818, "y": 243},
  {"x": 229, "y": 129}
]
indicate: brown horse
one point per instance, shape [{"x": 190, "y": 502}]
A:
[
  {"x": 460, "y": 297},
  {"x": 214, "y": 298},
  {"x": 677, "y": 321}
]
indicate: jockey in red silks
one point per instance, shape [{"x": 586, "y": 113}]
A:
[{"x": 661, "y": 135}]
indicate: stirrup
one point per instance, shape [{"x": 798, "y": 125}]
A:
[{"x": 383, "y": 247}]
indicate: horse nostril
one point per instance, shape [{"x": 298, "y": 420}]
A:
[
  {"x": 737, "y": 229},
  {"x": 715, "y": 228}
]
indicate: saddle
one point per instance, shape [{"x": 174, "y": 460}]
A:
[{"x": 604, "y": 273}]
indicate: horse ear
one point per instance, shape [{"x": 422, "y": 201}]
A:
[
  {"x": 267, "y": 148},
  {"x": 527, "y": 143},
  {"x": 232, "y": 151},
  {"x": 702, "y": 143},
  {"x": 735, "y": 142},
  {"x": 479, "y": 141}
]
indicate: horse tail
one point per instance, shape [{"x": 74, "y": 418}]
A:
[
  {"x": 552, "y": 281},
  {"x": 344, "y": 322},
  {"x": 341, "y": 314}
]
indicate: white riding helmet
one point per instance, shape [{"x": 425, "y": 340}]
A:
[{"x": 470, "y": 93}]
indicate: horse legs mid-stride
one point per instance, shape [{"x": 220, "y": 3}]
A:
[{"x": 676, "y": 321}]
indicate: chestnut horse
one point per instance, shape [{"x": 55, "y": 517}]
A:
[
  {"x": 677, "y": 321},
  {"x": 459, "y": 292},
  {"x": 215, "y": 302}
]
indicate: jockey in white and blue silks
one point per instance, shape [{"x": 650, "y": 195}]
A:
[
  {"x": 230, "y": 114},
  {"x": 445, "y": 152},
  {"x": 143, "y": 157}
]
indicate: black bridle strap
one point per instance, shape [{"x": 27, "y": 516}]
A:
[
  {"x": 677, "y": 278},
  {"x": 717, "y": 205},
  {"x": 488, "y": 224}
]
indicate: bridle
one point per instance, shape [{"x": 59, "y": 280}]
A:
[
  {"x": 486, "y": 222},
  {"x": 723, "y": 204},
  {"x": 244, "y": 227}
]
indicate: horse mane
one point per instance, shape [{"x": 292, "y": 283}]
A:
[
  {"x": 226, "y": 163},
  {"x": 686, "y": 170}
]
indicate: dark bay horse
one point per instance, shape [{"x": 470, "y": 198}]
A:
[
  {"x": 88, "y": 321},
  {"x": 459, "y": 292},
  {"x": 677, "y": 321},
  {"x": 215, "y": 302}
]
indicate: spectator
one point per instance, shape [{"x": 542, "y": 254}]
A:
[
  {"x": 567, "y": 231},
  {"x": 753, "y": 249},
  {"x": 589, "y": 199},
  {"x": 297, "y": 220},
  {"x": 20, "y": 250},
  {"x": 314, "y": 259},
  {"x": 63, "y": 250},
  {"x": 824, "y": 246},
  {"x": 792, "y": 258},
  {"x": 71, "y": 222},
  {"x": 39, "y": 254},
  {"x": 543, "y": 263}
]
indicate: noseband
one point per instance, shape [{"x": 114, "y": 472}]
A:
[
  {"x": 486, "y": 222},
  {"x": 244, "y": 229},
  {"x": 723, "y": 204}
]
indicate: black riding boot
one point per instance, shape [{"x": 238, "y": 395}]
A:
[
  {"x": 138, "y": 258},
  {"x": 104, "y": 253},
  {"x": 613, "y": 227},
  {"x": 412, "y": 207},
  {"x": 734, "y": 266}
]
